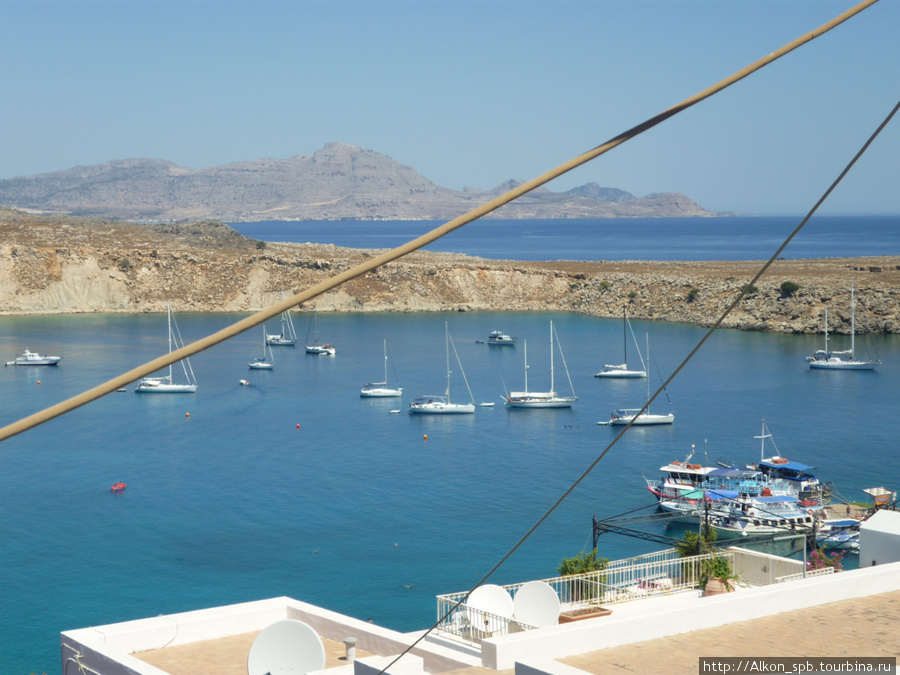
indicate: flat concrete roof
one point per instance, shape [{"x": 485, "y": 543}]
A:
[{"x": 862, "y": 627}]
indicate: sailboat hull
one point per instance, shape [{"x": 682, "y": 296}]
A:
[
  {"x": 437, "y": 406},
  {"x": 616, "y": 373},
  {"x": 538, "y": 400},
  {"x": 640, "y": 420},
  {"x": 840, "y": 364},
  {"x": 154, "y": 387},
  {"x": 380, "y": 392}
]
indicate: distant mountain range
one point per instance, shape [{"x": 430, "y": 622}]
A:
[{"x": 338, "y": 182}]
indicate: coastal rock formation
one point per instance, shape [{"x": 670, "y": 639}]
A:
[
  {"x": 70, "y": 265},
  {"x": 338, "y": 182}
]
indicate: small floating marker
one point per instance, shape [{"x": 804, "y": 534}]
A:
[
  {"x": 39, "y": 383},
  {"x": 425, "y": 438},
  {"x": 187, "y": 414},
  {"x": 298, "y": 425}
]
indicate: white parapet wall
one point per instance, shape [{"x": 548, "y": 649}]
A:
[
  {"x": 108, "y": 649},
  {"x": 662, "y": 617}
]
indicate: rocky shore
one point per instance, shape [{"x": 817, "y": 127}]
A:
[{"x": 52, "y": 265}]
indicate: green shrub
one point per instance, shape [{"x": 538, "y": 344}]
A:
[
  {"x": 788, "y": 288},
  {"x": 749, "y": 289},
  {"x": 692, "y": 294},
  {"x": 582, "y": 563},
  {"x": 604, "y": 285},
  {"x": 260, "y": 245},
  {"x": 632, "y": 295},
  {"x": 124, "y": 264}
]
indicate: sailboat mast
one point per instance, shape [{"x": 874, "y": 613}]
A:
[
  {"x": 552, "y": 390},
  {"x": 852, "y": 324},
  {"x": 169, "y": 311},
  {"x": 447, "y": 339},
  {"x": 648, "y": 374},
  {"x": 625, "y": 336},
  {"x": 525, "y": 345},
  {"x": 385, "y": 362}
]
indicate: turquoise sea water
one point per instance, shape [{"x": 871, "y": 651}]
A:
[
  {"x": 355, "y": 510},
  {"x": 235, "y": 503}
]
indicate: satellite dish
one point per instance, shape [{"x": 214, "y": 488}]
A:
[
  {"x": 286, "y": 647},
  {"x": 537, "y": 604},
  {"x": 491, "y": 599}
]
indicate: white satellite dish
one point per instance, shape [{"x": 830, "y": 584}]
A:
[
  {"x": 491, "y": 599},
  {"x": 537, "y": 604},
  {"x": 286, "y": 647}
]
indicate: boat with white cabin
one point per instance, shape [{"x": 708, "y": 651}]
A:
[
  {"x": 164, "y": 384},
  {"x": 441, "y": 404},
  {"x": 622, "y": 370},
  {"x": 542, "y": 399},
  {"x": 499, "y": 338},
  {"x": 381, "y": 389},
  {"x": 262, "y": 363},
  {"x": 288, "y": 336},
  {"x": 824, "y": 359},
  {"x": 29, "y": 358},
  {"x": 315, "y": 347},
  {"x": 634, "y": 416}
]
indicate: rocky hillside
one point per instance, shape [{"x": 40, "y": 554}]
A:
[
  {"x": 67, "y": 265},
  {"x": 336, "y": 183}
]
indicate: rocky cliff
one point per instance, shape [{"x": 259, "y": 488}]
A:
[
  {"x": 338, "y": 182},
  {"x": 68, "y": 265}
]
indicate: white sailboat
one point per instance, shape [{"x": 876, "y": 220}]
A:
[
  {"x": 846, "y": 359},
  {"x": 164, "y": 384},
  {"x": 315, "y": 347},
  {"x": 380, "y": 389},
  {"x": 441, "y": 405},
  {"x": 542, "y": 399},
  {"x": 288, "y": 336},
  {"x": 262, "y": 363},
  {"x": 623, "y": 416},
  {"x": 622, "y": 370}
]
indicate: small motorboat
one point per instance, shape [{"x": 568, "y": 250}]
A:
[
  {"x": 117, "y": 487},
  {"x": 487, "y": 404},
  {"x": 244, "y": 383}
]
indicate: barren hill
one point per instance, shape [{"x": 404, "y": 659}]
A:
[
  {"x": 338, "y": 182},
  {"x": 69, "y": 265}
]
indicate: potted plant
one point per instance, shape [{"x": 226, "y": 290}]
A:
[
  {"x": 584, "y": 563},
  {"x": 717, "y": 575}
]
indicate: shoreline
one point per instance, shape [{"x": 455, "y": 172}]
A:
[{"x": 64, "y": 265}]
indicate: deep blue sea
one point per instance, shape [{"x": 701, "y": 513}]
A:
[
  {"x": 235, "y": 502},
  {"x": 727, "y": 238}
]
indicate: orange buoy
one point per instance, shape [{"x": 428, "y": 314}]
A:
[
  {"x": 298, "y": 425},
  {"x": 187, "y": 414},
  {"x": 39, "y": 383},
  {"x": 425, "y": 438}
]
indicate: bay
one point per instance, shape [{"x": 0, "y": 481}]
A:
[
  {"x": 228, "y": 500},
  {"x": 724, "y": 238}
]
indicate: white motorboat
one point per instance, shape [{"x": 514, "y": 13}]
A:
[
  {"x": 262, "y": 363},
  {"x": 499, "y": 338},
  {"x": 441, "y": 404},
  {"x": 315, "y": 347},
  {"x": 381, "y": 389},
  {"x": 288, "y": 336},
  {"x": 542, "y": 399},
  {"x": 164, "y": 384},
  {"x": 623, "y": 416},
  {"x": 824, "y": 359},
  {"x": 622, "y": 370},
  {"x": 29, "y": 358}
]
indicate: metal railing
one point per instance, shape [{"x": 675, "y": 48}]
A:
[{"x": 622, "y": 581}]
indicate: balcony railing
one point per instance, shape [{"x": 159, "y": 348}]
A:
[{"x": 622, "y": 581}]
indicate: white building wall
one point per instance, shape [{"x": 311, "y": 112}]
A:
[{"x": 879, "y": 539}]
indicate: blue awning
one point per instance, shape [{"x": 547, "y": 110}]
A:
[{"x": 793, "y": 466}]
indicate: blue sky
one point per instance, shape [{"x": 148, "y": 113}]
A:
[{"x": 466, "y": 92}]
